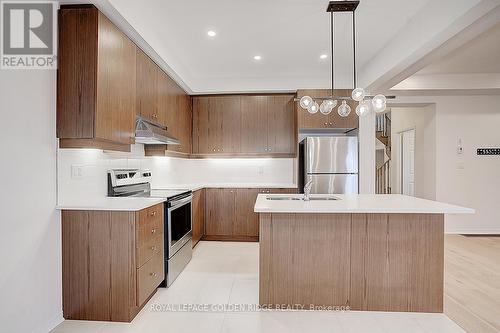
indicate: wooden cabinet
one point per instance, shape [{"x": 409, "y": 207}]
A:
[
  {"x": 333, "y": 120},
  {"x": 96, "y": 81},
  {"x": 220, "y": 206},
  {"x": 148, "y": 96},
  {"x": 198, "y": 215},
  {"x": 229, "y": 213},
  {"x": 247, "y": 125},
  {"x": 113, "y": 261}
]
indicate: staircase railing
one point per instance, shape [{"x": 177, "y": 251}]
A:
[
  {"x": 383, "y": 124},
  {"x": 383, "y": 179}
]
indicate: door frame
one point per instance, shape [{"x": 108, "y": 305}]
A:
[{"x": 399, "y": 162}]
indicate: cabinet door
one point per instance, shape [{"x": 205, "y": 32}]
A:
[
  {"x": 254, "y": 124},
  {"x": 147, "y": 82},
  {"x": 198, "y": 215},
  {"x": 201, "y": 144},
  {"x": 219, "y": 211},
  {"x": 185, "y": 123},
  {"x": 228, "y": 113},
  {"x": 246, "y": 220},
  {"x": 281, "y": 124},
  {"x": 162, "y": 98},
  {"x": 116, "y": 84}
]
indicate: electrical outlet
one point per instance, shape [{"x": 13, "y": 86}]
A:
[{"x": 77, "y": 172}]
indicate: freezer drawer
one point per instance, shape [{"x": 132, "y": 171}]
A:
[
  {"x": 334, "y": 184},
  {"x": 331, "y": 155}
]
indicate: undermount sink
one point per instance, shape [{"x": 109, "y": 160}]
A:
[{"x": 301, "y": 198}]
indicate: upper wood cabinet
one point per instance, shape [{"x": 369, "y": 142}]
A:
[
  {"x": 246, "y": 125},
  {"x": 149, "y": 82},
  {"x": 96, "y": 81},
  {"x": 333, "y": 120}
]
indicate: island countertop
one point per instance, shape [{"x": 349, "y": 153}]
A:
[{"x": 358, "y": 203}]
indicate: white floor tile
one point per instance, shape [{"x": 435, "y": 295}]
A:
[{"x": 227, "y": 273}]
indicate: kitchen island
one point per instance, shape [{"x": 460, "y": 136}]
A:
[{"x": 364, "y": 252}]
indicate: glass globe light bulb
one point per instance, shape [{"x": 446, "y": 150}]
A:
[
  {"x": 313, "y": 108},
  {"x": 363, "y": 108},
  {"x": 379, "y": 108},
  {"x": 379, "y": 101},
  {"x": 326, "y": 107},
  {"x": 358, "y": 94},
  {"x": 344, "y": 109},
  {"x": 305, "y": 102},
  {"x": 332, "y": 103}
]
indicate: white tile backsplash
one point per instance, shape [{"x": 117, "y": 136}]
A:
[{"x": 167, "y": 171}]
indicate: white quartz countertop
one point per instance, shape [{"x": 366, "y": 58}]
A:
[
  {"x": 113, "y": 204},
  {"x": 135, "y": 204},
  {"x": 195, "y": 187},
  {"x": 359, "y": 203}
]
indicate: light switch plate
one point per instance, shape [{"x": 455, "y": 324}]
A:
[{"x": 77, "y": 172}]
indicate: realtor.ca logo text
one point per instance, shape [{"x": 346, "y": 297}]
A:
[{"x": 28, "y": 35}]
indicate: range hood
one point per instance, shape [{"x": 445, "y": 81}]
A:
[{"x": 149, "y": 133}]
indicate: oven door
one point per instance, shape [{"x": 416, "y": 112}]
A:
[{"x": 179, "y": 224}]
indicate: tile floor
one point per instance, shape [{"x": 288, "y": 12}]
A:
[{"x": 227, "y": 273}]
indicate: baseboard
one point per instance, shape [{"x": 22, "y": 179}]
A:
[
  {"x": 473, "y": 232},
  {"x": 49, "y": 325}
]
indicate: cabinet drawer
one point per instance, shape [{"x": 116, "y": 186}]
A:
[
  {"x": 149, "y": 248},
  {"x": 149, "y": 224},
  {"x": 149, "y": 276}
]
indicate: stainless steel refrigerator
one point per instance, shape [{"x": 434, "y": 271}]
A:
[{"x": 331, "y": 162}]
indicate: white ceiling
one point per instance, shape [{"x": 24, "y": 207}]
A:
[
  {"x": 474, "y": 67},
  {"x": 288, "y": 34},
  {"x": 481, "y": 55}
]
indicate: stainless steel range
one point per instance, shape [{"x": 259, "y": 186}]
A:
[{"x": 178, "y": 215}]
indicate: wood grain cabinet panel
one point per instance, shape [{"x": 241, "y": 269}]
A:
[
  {"x": 96, "y": 81},
  {"x": 198, "y": 215},
  {"x": 147, "y": 73},
  {"x": 244, "y": 125},
  {"x": 109, "y": 272},
  {"x": 219, "y": 211},
  {"x": 281, "y": 124},
  {"x": 246, "y": 221}
]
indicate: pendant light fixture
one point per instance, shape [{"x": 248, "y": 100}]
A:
[{"x": 366, "y": 103}]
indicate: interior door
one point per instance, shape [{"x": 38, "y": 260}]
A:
[{"x": 408, "y": 162}]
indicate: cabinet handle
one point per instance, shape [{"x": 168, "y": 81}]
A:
[
  {"x": 326, "y": 124},
  {"x": 214, "y": 149},
  {"x": 153, "y": 248},
  {"x": 268, "y": 149},
  {"x": 153, "y": 274},
  {"x": 153, "y": 213},
  {"x": 331, "y": 124},
  {"x": 153, "y": 231}
]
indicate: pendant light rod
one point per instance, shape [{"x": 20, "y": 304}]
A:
[
  {"x": 354, "y": 48},
  {"x": 331, "y": 46}
]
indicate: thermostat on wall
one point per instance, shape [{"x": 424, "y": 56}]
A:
[{"x": 488, "y": 151}]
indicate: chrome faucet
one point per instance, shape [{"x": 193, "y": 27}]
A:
[{"x": 307, "y": 190}]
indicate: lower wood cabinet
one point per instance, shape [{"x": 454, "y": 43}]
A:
[
  {"x": 229, "y": 213},
  {"x": 113, "y": 261},
  {"x": 198, "y": 212}
]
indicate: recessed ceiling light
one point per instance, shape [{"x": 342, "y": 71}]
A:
[
  {"x": 211, "y": 33},
  {"x": 323, "y": 56},
  {"x": 257, "y": 57}
]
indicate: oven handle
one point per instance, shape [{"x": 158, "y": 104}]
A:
[{"x": 180, "y": 202}]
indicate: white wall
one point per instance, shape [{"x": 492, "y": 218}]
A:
[
  {"x": 468, "y": 179},
  {"x": 30, "y": 235},
  {"x": 423, "y": 121},
  {"x": 167, "y": 171}
]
